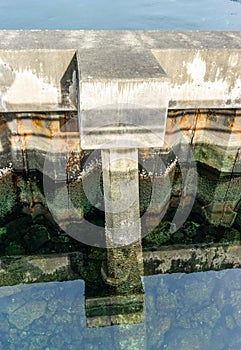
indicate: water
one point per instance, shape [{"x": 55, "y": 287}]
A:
[
  {"x": 121, "y": 14},
  {"x": 182, "y": 312}
]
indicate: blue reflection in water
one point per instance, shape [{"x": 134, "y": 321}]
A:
[
  {"x": 182, "y": 312},
  {"x": 121, "y": 14},
  {"x": 195, "y": 311}
]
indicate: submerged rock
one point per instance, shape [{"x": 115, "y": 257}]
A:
[
  {"x": 189, "y": 338},
  {"x": 26, "y": 314},
  {"x": 36, "y": 237},
  {"x": 3, "y": 231},
  {"x": 231, "y": 235},
  {"x": 4, "y": 326},
  {"x": 15, "y": 248},
  {"x": 238, "y": 221},
  {"x": 209, "y": 316}
]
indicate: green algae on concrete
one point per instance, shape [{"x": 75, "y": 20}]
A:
[
  {"x": 8, "y": 195},
  {"x": 214, "y": 156},
  {"x": 32, "y": 269},
  {"x": 159, "y": 236}
]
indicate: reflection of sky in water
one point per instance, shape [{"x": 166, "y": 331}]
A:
[
  {"x": 182, "y": 312},
  {"x": 121, "y": 14}
]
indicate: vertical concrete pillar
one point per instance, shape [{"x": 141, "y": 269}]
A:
[{"x": 123, "y": 227}]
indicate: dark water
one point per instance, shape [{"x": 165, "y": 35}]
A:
[
  {"x": 181, "y": 312},
  {"x": 121, "y": 14}
]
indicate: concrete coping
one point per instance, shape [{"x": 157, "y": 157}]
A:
[{"x": 69, "y": 70}]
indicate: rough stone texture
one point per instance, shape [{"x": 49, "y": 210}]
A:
[
  {"x": 8, "y": 194},
  {"x": 36, "y": 237},
  {"x": 29, "y": 269},
  {"x": 213, "y": 135},
  {"x": 113, "y": 310},
  {"x": 218, "y": 185},
  {"x": 168, "y": 260},
  {"x": 26, "y": 314}
]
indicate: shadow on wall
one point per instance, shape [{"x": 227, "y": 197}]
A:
[{"x": 5, "y": 148}]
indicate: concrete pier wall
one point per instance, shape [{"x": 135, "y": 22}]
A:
[{"x": 192, "y": 80}]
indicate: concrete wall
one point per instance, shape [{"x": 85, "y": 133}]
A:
[{"x": 191, "y": 80}]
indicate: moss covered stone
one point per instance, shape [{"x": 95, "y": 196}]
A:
[
  {"x": 158, "y": 236},
  {"x": 213, "y": 156},
  {"x": 8, "y": 195},
  {"x": 37, "y": 236},
  {"x": 231, "y": 235},
  {"x": 15, "y": 248},
  {"x": 30, "y": 269},
  {"x": 18, "y": 228},
  {"x": 3, "y": 234}
]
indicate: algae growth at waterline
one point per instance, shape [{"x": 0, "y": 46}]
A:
[{"x": 28, "y": 228}]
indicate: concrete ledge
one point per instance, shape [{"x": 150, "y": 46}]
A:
[
  {"x": 62, "y": 267},
  {"x": 192, "y": 259},
  {"x": 203, "y": 67}
]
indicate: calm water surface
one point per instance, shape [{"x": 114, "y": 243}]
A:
[
  {"x": 182, "y": 312},
  {"x": 121, "y": 14}
]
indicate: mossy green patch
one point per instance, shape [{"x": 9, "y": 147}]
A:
[
  {"x": 158, "y": 236},
  {"x": 213, "y": 156}
]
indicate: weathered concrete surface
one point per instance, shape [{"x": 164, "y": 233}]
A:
[
  {"x": 122, "y": 221},
  {"x": 204, "y": 78},
  {"x": 97, "y": 39},
  {"x": 214, "y": 137},
  {"x": 32, "y": 269},
  {"x": 26, "y": 138},
  {"x": 192, "y": 69},
  {"x": 121, "y": 188},
  {"x": 37, "y": 80},
  {"x": 128, "y": 55},
  {"x": 192, "y": 259},
  {"x": 114, "y": 310}
]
